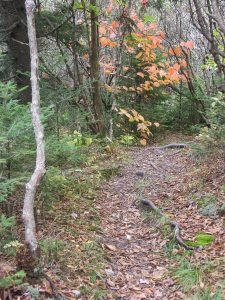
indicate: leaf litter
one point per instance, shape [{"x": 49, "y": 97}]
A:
[{"x": 140, "y": 265}]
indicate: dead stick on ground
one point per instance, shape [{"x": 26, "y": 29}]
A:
[
  {"x": 173, "y": 224},
  {"x": 154, "y": 166}
]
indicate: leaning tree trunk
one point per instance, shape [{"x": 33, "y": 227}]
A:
[
  {"x": 31, "y": 187},
  {"x": 14, "y": 43}
]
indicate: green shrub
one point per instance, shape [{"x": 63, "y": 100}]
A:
[
  {"x": 214, "y": 137},
  {"x": 12, "y": 280},
  {"x": 65, "y": 152},
  {"x": 127, "y": 140},
  {"x": 6, "y": 229},
  {"x": 54, "y": 185}
]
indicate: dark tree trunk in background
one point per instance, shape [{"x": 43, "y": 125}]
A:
[
  {"x": 14, "y": 43},
  {"x": 95, "y": 72}
]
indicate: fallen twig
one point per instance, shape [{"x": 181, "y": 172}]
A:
[
  {"x": 173, "y": 224},
  {"x": 154, "y": 166}
]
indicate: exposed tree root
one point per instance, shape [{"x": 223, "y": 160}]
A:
[
  {"x": 171, "y": 146},
  {"x": 173, "y": 224},
  {"x": 174, "y": 153},
  {"x": 57, "y": 295}
]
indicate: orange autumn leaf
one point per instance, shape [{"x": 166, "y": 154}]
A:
[
  {"x": 183, "y": 63},
  {"x": 176, "y": 67},
  {"x": 104, "y": 41},
  {"x": 140, "y": 25},
  {"x": 171, "y": 51},
  {"x": 113, "y": 44},
  {"x": 175, "y": 51},
  {"x": 188, "y": 44},
  {"x": 141, "y": 74},
  {"x": 115, "y": 24},
  {"x": 102, "y": 29}
]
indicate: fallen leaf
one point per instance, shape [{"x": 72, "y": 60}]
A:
[{"x": 111, "y": 247}]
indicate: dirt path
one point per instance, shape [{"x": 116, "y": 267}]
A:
[{"x": 139, "y": 263}]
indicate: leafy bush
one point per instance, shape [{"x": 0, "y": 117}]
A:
[{"x": 214, "y": 137}]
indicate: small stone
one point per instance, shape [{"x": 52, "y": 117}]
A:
[
  {"x": 129, "y": 237},
  {"x": 77, "y": 294},
  {"x": 74, "y": 215},
  {"x": 109, "y": 272},
  {"x": 140, "y": 174},
  {"x": 144, "y": 281}
]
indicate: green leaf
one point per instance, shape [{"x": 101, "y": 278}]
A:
[
  {"x": 149, "y": 19},
  {"x": 77, "y": 5},
  {"x": 201, "y": 239},
  {"x": 94, "y": 8}
]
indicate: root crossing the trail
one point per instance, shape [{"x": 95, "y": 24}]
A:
[{"x": 173, "y": 224}]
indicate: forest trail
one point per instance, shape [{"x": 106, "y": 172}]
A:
[{"x": 140, "y": 249}]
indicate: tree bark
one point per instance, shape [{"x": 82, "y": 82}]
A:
[
  {"x": 95, "y": 71},
  {"x": 31, "y": 187},
  {"x": 207, "y": 21},
  {"x": 14, "y": 39}
]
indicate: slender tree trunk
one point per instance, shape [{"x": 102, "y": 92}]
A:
[
  {"x": 31, "y": 187},
  {"x": 95, "y": 71},
  {"x": 14, "y": 39}
]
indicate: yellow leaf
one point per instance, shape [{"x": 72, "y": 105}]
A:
[
  {"x": 143, "y": 142},
  {"x": 134, "y": 112},
  {"x": 131, "y": 119},
  {"x": 139, "y": 55},
  {"x": 141, "y": 118},
  {"x": 108, "y": 88},
  {"x": 132, "y": 89},
  {"x": 124, "y": 112}
]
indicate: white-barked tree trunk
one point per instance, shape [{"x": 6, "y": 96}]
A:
[{"x": 31, "y": 186}]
